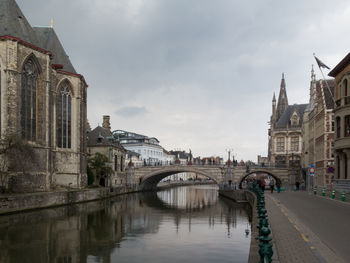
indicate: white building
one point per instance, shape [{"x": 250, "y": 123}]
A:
[{"x": 151, "y": 153}]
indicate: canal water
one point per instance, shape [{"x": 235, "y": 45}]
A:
[{"x": 184, "y": 224}]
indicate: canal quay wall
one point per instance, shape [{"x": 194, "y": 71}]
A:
[
  {"x": 244, "y": 196},
  {"x": 14, "y": 203}
]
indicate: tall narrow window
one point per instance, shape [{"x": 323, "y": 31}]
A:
[
  {"x": 64, "y": 117},
  {"x": 30, "y": 75},
  {"x": 280, "y": 144},
  {"x": 337, "y": 123},
  {"x": 294, "y": 143},
  {"x": 347, "y": 126}
]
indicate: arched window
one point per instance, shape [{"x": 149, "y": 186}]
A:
[
  {"x": 64, "y": 117},
  {"x": 30, "y": 75},
  {"x": 345, "y": 84}
]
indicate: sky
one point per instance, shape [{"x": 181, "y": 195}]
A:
[{"x": 195, "y": 74}]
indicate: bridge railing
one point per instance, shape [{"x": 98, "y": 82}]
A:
[{"x": 255, "y": 166}]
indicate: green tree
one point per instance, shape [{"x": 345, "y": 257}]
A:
[{"x": 99, "y": 164}]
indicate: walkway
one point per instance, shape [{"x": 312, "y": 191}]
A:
[{"x": 308, "y": 228}]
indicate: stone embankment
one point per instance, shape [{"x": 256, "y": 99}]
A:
[{"x": 13, "y": 203}]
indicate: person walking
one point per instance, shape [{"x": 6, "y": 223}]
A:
[
  {"x": 262, "y": 184},
  {"x": 272, "y": 185},
  {"x": 278, "y": 185}
]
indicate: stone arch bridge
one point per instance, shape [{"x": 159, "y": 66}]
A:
[{"x": 148, "y": 177}]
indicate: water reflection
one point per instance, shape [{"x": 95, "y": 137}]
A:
[{"x": 188, "y": 223}]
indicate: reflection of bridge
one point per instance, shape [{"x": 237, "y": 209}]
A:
[{"x": 148, "y": 177}]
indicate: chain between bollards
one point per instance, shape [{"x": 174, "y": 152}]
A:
[{"x": 265, "y": 250}]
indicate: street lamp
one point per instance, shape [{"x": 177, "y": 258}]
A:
[{"x": 229, "y": 155}]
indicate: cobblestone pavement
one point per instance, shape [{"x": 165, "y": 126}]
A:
[{"x": 309, "y": 228}]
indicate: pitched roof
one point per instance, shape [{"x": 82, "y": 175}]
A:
[
  {"x": 48, "y": 40},
  {"x": 341, "y": 65},
  {"x": 13, "y": 23},
  {"x": 102, "y": 137},
  {"x": 328, "y": 93},
  {"x": 284, "y": 121}
]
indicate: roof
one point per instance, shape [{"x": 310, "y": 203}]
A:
[
  {"x": 284, "y": 121},
  {"x": 341, "y": 65},
  {"x": 13, "y": 23},
  {"x": 48, "y": 40},
  {"x": 328, "y": 93},
  {"x": 101, "y": 137}
]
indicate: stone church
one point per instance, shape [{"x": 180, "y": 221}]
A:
[
  {"x": 285, "y": 133},
  {"x": 43, "y": 100}
]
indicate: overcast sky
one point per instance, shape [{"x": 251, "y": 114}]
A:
[{"x": 196, "y": 74}]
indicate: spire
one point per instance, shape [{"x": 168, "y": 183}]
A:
[
  {"x": 313, "y": 76},
  {"x": 51, "y": 24},
  {"x": 274, "y": 97},
  {"x": 282, "y": 98}
]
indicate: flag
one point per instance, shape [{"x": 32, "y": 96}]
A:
[{"x": 321, "y": 64}]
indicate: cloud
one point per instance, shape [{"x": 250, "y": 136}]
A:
[
  {"x": 203, "y": 71},
  {"x": 131, "y": 111}
]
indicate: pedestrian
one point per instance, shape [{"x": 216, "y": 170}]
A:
[
  {"x": 272, "y": 185},
  {"x": 262, "y": 184},
  {"x": 278, "y": 185},
  {"x": 297, "y": 185}
]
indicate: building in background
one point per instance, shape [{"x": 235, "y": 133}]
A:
[
  {"x": 341, "y": 73},
  {"x": 101, "y": 140},
  {"x": 43, "y": 101},
  {"x": 318, "y": 132},
  {"x": 151, "y": 153},
  {"x": 285, "y": 134}
]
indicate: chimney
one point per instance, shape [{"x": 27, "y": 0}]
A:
[{"x": 106, "y": 122}]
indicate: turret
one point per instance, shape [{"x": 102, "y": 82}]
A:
[{"x": 282, "y": 99}]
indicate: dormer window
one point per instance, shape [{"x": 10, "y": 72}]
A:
[{"x": 294, "y": 120}]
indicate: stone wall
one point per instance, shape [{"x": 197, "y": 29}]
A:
[{"x": 21, "y": 202}]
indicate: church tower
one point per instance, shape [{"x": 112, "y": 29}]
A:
[{"x": 282, "y": 99}]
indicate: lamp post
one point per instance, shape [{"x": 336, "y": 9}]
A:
[{"x": 229, "y": 155}]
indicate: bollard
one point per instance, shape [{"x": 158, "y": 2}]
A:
[
  {"x": 343, "y": 196},
  {"x": 315, "y": 191},
  {"x": 333, "y": 194},
  {"x": 323, "y": 192}
]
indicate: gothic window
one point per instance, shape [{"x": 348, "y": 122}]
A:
[
  {"x": 64, "y": 117},
  {"x": 280, "y": 144},
  {"x": 347, "y": 126},
  {"x": 30, "y": 75},
  {"x": 295, "y": 143}
]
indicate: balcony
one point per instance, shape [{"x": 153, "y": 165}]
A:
[{"x": 338, "y": 103}]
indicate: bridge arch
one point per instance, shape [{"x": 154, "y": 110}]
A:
[
  {"x": 150, "y": 181},
  {"x": 259, "y": 171}
]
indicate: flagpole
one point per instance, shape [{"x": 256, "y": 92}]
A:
[{"x": 332, "y": 95}]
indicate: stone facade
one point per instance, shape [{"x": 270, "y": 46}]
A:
[
  {"x": 101, "y": 140},
  {"x": 341, "y": 73},
  {"x": 318, "y": 131},
  {"x": 285, "y": 134},
  {"x": 21, "y": 45}
]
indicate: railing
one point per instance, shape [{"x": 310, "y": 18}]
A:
[{"x": 265, "y": 250}]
